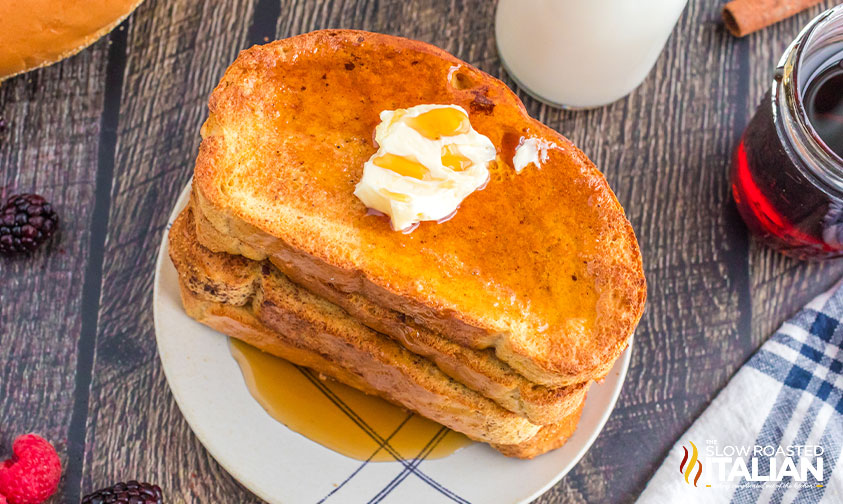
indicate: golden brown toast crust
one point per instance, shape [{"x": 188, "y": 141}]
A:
[
  {"x": 308, "y": 331},
  {"x": 541, "y": 266},
  {"x": 480, "y": 370},
  {"x": 240, "y": 323},
  {"x": 549, "y": 438},
  {"x": 217, "y": 309}
]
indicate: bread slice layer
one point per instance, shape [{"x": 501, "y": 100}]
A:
[
  {"x": 480, "y": 370},
  {"x": 542, "y": 266},
  {"x": 254, "y": 302}
]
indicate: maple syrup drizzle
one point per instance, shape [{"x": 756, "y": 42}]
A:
[
  {"x": 401, "y": 165},
  {"x": 294, "y": 396},
  {"x": 440, "y": 122},
  {"x": 451, "y": 158}
]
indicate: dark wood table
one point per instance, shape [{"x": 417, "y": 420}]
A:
[{"x": 110, "y": 135}]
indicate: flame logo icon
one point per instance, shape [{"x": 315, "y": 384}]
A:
[{"x": 687, "y": 466}]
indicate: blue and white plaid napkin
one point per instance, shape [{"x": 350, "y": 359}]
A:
[{"x": 775, "y": 432}]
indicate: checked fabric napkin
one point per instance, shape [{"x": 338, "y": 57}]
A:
[{"x": 775, "y": 432}]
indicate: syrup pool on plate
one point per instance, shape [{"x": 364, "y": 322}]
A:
[{"x": 340, "y": 417}]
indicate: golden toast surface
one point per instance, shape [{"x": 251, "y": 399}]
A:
[
  {"x": 541, "y": 266},
  {"x": 220, "y": 304},
  {"x": 480, "y": 370},
  {"x": 285, "y": 320},
  {"x": 550, "y": 437}
]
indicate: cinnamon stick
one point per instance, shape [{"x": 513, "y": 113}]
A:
[{"x": 743, "y": 17}]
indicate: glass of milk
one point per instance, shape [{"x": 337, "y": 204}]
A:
[{"x": 582, "y": 53}]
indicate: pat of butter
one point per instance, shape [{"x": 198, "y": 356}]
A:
[
  {"x": 429, "y": 160},
  {"x": 530, "y": 151}
]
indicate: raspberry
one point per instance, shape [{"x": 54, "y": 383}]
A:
[
  {"x": 32, "y": 475},
  {"x": 130, "y": 492},
  {"x": 26, "y": 221}
]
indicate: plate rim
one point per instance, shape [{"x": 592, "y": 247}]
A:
[{"x": 242, "y": 478}]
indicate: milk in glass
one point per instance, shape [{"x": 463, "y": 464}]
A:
[{"x": 582, "y": 53}]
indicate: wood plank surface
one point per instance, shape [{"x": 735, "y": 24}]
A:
[
  {"x": 714, "y": 294},
  {"x": 175, "y": 54},
  {"x": 665, "y": 150},
  {"x": 780, "y": 286},
  {"x": 49, "y": 145}
]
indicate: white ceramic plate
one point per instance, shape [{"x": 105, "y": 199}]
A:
[{"x": 281, "y": 466}]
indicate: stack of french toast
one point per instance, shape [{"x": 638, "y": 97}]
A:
[{"x": 494, "y": 323}]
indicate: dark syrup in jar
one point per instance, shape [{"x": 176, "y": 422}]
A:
[{"x": 780, "y": 203}]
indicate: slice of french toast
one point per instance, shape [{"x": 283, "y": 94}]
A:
[
  {"x": 254, "y": 302},
  {"x": 480, "y": 370},
  {"x": 550, "y": 437},
  {"x": 541, "y": 266},
  {"x": 227, "y": 301}
]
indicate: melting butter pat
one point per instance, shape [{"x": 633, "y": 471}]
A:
[
  {"x": 429, "y": 160},
  {"x": 530, "y": 151}
]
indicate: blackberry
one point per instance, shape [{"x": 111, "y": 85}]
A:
[
  {"x": 26, "y": 221},
  {"x": 130, "y": 492}
]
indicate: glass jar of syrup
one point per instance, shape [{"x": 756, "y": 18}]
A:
[{"x": 787, "y": 173}]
